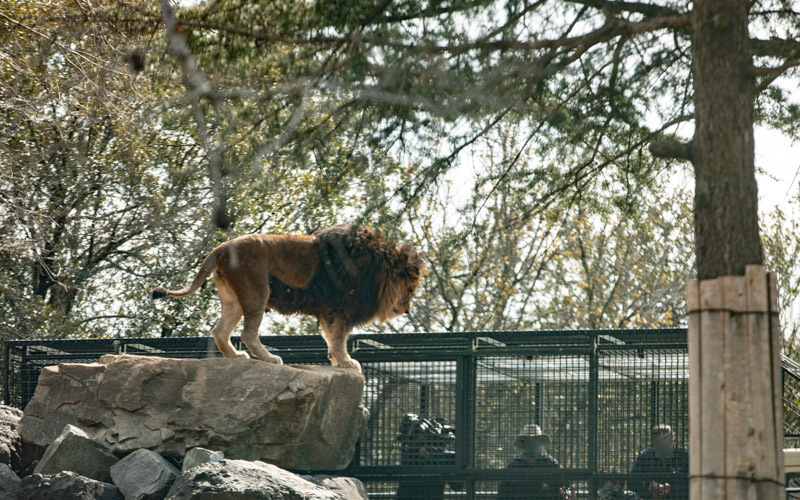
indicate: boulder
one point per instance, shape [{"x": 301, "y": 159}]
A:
[
  {"x": 199, "y": 456},
  {"x": 72, "y": 384},
  {"x": 144, "y": 475},
  {"x": 9, "y": 437},
  {"x": 73, "y": 450},
  {"x": 10, "y": 483},
  {"x": 348, "y": 488},
  {"x": 297, "y": 417},
  {"x": 66, "y": 486},
  {"x": 229, "y": 479}
]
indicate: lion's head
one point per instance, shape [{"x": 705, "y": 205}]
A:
[{"x": 403, "y": 273}]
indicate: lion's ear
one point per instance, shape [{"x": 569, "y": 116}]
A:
[
  {"x": 417, "y": 261},
  {"x": 409, "y": 261},
  {"x": 404, "y": 254}
]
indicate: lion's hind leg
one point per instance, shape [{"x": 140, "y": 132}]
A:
[
  {"x": 250, "y": 290},
  {"x": 231, "y": 314},
  {"x": 335, "y": 334}
]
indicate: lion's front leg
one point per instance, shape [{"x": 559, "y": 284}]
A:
[
  {"x": 250, "y": 337},
  {"x": 335, "y": 334},
  {"x": 348, "y": 362}
]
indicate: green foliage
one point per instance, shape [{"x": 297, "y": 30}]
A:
[
  {"x": 105, "y": 191},
  {"x": 781, "y": 239},
  {"x": 493, "y": 135},
  {"x": 617, "y": 257}
]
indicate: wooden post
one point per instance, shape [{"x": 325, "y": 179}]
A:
[{"x": 735, "y": 396}]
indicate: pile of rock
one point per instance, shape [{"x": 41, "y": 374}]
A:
[
  {"x": 138, "y": 427},
  {"x": 77, "y": 466}
]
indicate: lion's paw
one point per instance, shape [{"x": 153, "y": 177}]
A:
[
  {"x": 350, "y": 363},
  {"x": 241, "y": 354},
  {"x": 274, "y": 359}
]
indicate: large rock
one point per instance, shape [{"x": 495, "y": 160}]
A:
[
  {"x": 297, "y": 417},
  {"x": 71, "y": 385},
  {"x": 241, "y": 479},
  {"x": 144, "y": 475},
  {"x": 66, "y": 486},
  {"x": 73, "y": 450},
  {"x": 9, "y": 437},
  {"x": 348, "y": 488},
  {"x": 10, "y": 483},
  {"x": 20, "y": 455},
  {"x": 200, "y": 456}
]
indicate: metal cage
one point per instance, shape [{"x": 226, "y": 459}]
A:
[{"x": 447, "y": 408}]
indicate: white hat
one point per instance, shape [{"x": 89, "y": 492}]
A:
[{"x": 531, "y": 431}]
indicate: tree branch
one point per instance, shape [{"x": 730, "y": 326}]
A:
[
  {"x": 772, "y": 74},
  {"x": 612, "y": 28},
  {"x": 671, "y": 149},
  {"x": 197, "y": 86},
  {"x": 647, "y": 9},
  {"x": 775, "y": 47}
]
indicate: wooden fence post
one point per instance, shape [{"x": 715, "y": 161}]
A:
[{"x": 735, "y": 395}]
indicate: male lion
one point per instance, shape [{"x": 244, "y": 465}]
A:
[{"x": 344, "y": 277}]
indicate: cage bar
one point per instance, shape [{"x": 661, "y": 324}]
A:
[{"x": 447, "y": 408}]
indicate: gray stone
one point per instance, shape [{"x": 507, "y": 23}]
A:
[
  {"x": 241, "y": 479},
  {"x": 66, "y": 486},
  {"x": 144, "y": 475},
  {"x": 73, "y": 450},
  {"x": 10, "y": 483},
  {"x": 9, "y": 437},
  {"x": 297, "y": 417},
  {"x": 199, "y": 456},
  {"x": 73, "y": 384},
  {"x": 348, "y": 488}
]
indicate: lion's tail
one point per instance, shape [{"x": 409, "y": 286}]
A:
[{"x": 205, "y": 271}]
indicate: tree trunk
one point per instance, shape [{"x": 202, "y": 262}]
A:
[
  {"x": 736, "y": 437},
  {"x": 735, "y": 391},
  {"x": 726, "y": 198}
]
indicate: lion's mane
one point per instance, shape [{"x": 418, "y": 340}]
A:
[{"x": 356, "y": 279}]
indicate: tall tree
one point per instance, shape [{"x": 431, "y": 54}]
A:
[
  {"x": 591, "y": 75},
  {"x": 104, "y": 188},
  {"x": 584, "y": 72},
  {"x": 256, "y": 89},
  {"x": 722, "y": 149}
]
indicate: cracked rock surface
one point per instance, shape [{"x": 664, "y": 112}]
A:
[{"x": 293, "y": 416}]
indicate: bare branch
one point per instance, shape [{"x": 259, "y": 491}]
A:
[{"x": 196, "y": 87}]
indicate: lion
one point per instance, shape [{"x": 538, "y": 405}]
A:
[{"x": 344, "y": 276}]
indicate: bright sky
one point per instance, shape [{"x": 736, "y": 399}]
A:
[{"x": 779, "y": 156}]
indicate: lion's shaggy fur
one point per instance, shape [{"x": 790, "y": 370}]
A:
[{"x": 344, "y": 276}]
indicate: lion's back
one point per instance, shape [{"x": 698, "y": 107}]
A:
[{"x": 346, "y": 283}]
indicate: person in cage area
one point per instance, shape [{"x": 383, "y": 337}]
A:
[
  {"x": 615, "y": 490},
  {"x": 425, "y": 442},
  {"x": 533, "y": 443},
  {"x": 663, "y": 459}
]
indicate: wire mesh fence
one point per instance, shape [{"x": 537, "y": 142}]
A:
[
  {"x": 484, "y": 415},
  {"x": 791, "y": 402}
]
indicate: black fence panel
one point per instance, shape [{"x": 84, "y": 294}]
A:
[
  {"x": 791, "y": 402},
  {"x": 446, "y": 409}
]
